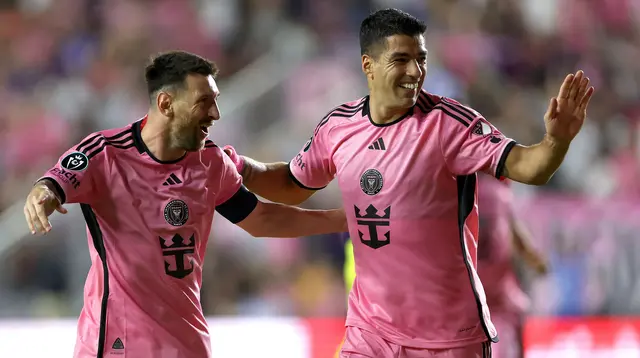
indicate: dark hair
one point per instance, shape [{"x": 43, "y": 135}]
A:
[
  {"x": 384, "y": 23},
  {"x": 170, "y": 69}
]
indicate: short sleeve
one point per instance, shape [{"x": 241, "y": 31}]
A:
[
  {"x": 74, "y": 174},
  {"x": 313, "y": 168},
  {"x": 471, "y": 144},
  {"x": 233, "y": 201}
]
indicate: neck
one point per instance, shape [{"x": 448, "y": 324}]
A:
[
  {"x": 381, "y": 113},
  {"x": 157, "y": 137}
]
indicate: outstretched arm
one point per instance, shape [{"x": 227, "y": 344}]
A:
[
  {"x": 277, "y": 220},
  {"x": 565, "y": 116},
  {"x": 272, "y": 181}
]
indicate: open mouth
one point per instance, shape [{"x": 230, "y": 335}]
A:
[
  {"x": 205, "y": 128},
  {"x": 409, "y": 86}
]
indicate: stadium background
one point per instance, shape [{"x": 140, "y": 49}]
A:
[{"x": 69, "y": 67}]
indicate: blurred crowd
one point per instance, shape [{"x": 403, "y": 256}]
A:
[{"x": 70, "y": 67}]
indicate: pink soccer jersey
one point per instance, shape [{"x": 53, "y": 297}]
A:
[
  {"x": 148, "y": 223},
  {"x": 409, "y": 190}
]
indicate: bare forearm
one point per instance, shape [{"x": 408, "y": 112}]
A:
[
  {"x": 289, "y": 221},
  {"x": 272, "y": 182},
  {"x": 535, "y": 164}
]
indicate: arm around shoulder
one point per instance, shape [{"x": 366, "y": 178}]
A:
[{"x": 277, "y": 220}]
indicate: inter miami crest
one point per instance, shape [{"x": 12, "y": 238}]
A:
[
  {"x": 176, "y": 212},
  {"x": 371, "y": 182}
]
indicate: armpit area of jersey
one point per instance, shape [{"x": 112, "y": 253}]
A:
[{"x": 239, "y": 206}]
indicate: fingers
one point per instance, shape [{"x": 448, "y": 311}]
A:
[
  {"x": 576, "y": 85},
  {"x": 584, "y": 85},
  {"x": 229, "y": 150},
  {"x": 566, "y": 86},
  {"x": 61, "y": 209},
  {"x": 584, "y": 102},
  {"x": 552, "y": 111},
  {"x": 42, "y": 218},
  {"x": 34, "y": 222},
  {"x": 27, "y": 216},
  {"x": 35, "y": 211}
]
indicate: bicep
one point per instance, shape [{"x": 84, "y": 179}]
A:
[{"x": 253, "y": 222}]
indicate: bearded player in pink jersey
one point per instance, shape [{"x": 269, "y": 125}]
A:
[
  {"x": 148, "y": 192},
  {"x": 503, "y": 238},
  {"x": 406, "y": 163}
]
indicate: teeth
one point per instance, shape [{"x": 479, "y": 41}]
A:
[{"x": 409, "y": 85}]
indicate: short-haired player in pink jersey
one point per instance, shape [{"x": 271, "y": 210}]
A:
[
  {"x": 148, "y": 192},
  {"x": 406, "y": 163},
  {"x": 503, "y": 239}
]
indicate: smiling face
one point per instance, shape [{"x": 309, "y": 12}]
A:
[
  {"x": 195, "y": 108},
  {"x": 396, "y": 72}
]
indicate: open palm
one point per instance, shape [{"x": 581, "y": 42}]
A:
[{"x": 567, "y": 111}]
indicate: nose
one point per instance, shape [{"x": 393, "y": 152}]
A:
[
  {"x": 414, "y": 69},
  {"x": 214, "y": 111}
]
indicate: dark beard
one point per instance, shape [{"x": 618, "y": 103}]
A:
[{"x": 188, "y": 140}]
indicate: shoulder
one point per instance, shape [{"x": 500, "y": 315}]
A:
[
  {"x": 212, "y": 152},
  {"x": 96, "y": 144},
  {"x": 447, "y": 109},
  {"x": 345, "y": 112}
]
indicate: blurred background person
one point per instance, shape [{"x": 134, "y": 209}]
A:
[{"x": 503, "y": 244}]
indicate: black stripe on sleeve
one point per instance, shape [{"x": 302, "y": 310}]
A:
[
  {"x": 450, "y": 114},
  {"x": 116, "y": 136},
  {"x": 115, "y": 143},
  {"x": 295, "y": 180},
  {"x": 97, "y": 151},
  {"x": 457, "y": 110},
  {"x": 460, "y": 107},
  {"x": 81, "y": 146},
  {"x": 503, "y": 158},
  {"x": 426, "y": 100},
  {"x": 239, "y": 206}
]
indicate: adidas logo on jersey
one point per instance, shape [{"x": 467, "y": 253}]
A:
[
  {"x": 171, "y": 180},
  {"x": 378, "y": 145}
]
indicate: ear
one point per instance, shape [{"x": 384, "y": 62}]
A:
[
  {"x": 367, "y": 66},
  {"x": 164, "y": 102}
]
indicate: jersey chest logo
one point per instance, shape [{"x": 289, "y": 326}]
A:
[
  {"x": 177, "y": 255},
  {"x": 176, "y": 213},
  {"x": 371, "y": 182}
]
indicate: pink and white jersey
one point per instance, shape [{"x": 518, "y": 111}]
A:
[
  {"x": 148, "y": 223},
  {"x": 409, "y": 190},
  {"x": 496, "y": 251}
]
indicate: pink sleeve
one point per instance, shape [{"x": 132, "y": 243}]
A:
[
  {"x": 73, "y": 176},
  {"x": 313, "y": 167},
  {"x": 230, "y": 181},
  {"x": 471, "y": 144}
]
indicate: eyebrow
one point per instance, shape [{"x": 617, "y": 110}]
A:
[
  {"x": 404, "y": 54},
  {"x": 206, "y": 96}
]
